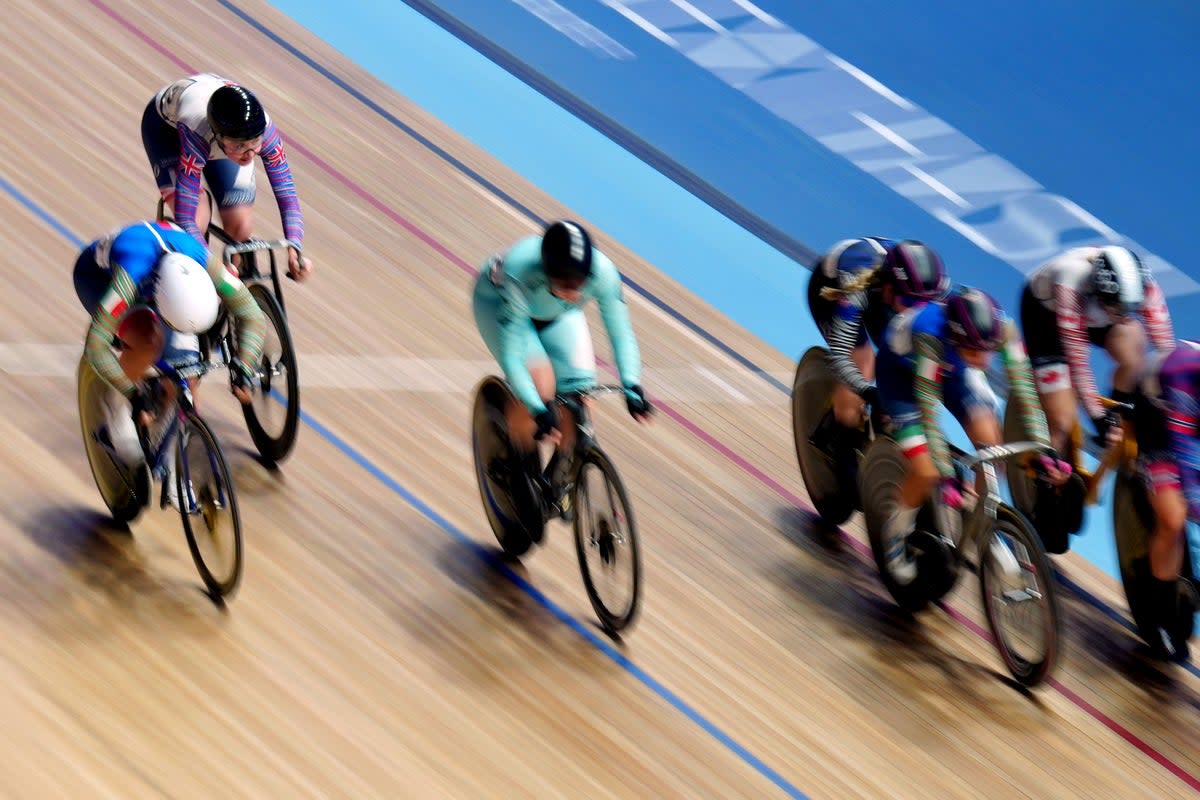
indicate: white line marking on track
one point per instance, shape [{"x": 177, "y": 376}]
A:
[{"x": 689, "y": 383}]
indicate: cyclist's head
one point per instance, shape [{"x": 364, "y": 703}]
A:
[
  {"x": 184, "y": 294},
  {"x": 974, "y": 320},
  {"x": 1119, "y": 280},
  {"x": 567, "y": 254},
  {"x": 234, "y": 113},
  {"x": 915, "y": 271}
]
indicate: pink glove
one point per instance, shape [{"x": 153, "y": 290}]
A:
[{"x": 951, "y": 493}]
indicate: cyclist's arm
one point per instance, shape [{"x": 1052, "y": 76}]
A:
[
  {"x": 844, "y": 333},
  {"x": 928, "y": 358},
  {"x": 193, "y": 155},
  {"x": 1157, "y": 318},
  {"x": 280, "y": 174},
  {"x": 249, "y": 319},
  {"x": 1072, "y": 333},
  {"x": 610, "y": 297},
  {"x": 1021, "y": 388},
  {"x": 103, "y": 331}
]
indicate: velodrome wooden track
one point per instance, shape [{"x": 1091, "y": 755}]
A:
[{"x": 375, "y": 649}]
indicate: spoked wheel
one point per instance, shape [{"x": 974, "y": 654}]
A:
[
  {"x": 208, "y": 507},
  {"x": 516, "y": 521},
  {"x": 606, "y": 541},
  {"x": 883, "y": 469},
  {"x": 812, "y": 392},
  {"x": 1133, "y": 521},
  {"x": 124, "y": 489},
  {"x": 273, "y": 417},
  {"x": 1019, "y": 598}
]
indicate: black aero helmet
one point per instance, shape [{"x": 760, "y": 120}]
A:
[
  {"x": 235, "y": 113},
  {"x": 567, "y": 252},
  {"x": 915, "y": 270}
]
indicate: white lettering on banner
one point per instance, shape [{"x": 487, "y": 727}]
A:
[
  {"x": 578, "y": 30},
  {"x": 989, "y": 201}
]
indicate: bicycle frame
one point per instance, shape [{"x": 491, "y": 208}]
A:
[
  {"x": 585, "y": 432},
  {"x": 179, "y": 408},
  {"x": 979, "y": 522}
]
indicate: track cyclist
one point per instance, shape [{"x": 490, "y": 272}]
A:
[
  {"x": 205, "y": 125},
  {"x": 1090, "y": 294},
  {"x": 1168, "y": 432},
  {"x": 938, "y": 354},
  {"x": 855, "y": 290},
  {"x": 131, "y": 279},
  {"x": 528, "y": 306}
]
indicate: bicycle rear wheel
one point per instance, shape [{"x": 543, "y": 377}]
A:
[
  {"x": 125, "y": 490},
  {"x": 516, "y": 522},
  {"x": 208, "y": 506},
  {"x": 1133, "y": 522},
  {"x": 273, "y": 417},
  {"x": 812, "y": 392},
  {"x": 606, "y": 541},
  {"x": 1019, "y": 598}
]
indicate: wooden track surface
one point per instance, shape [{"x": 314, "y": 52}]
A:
[{"x": 375, "y": 648}]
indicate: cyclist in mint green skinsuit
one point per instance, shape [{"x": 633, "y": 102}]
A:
[{"x": 528, "y": 305}]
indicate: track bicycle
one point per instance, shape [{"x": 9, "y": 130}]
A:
[
  {"x": 521, "y": 495},
  {"x": 273, "y": 417},
  {"x": 203, "y": 483},
  {"x": 988, "y": 536},
  {"x": 1056, "y": 515}
]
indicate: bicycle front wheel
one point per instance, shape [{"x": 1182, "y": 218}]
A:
[
  {"x": 606, "y": 541},
  {"x": 273, "y": 417},
  {"x": 208, "y": 507},
  {"x": 1020, "y": 599}
]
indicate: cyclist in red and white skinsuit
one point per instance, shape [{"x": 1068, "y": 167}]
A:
[
  {"x": 207, "y": 126},
  {"x": 1090, "y": 295}
]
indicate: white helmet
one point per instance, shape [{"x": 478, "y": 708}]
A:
[
  {"x": 1119, "y": 279},
  {"x": 184, "y": 294}
]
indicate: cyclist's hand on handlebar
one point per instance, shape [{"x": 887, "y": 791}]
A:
[
  {"x": 1108, "y": 430},
  {"x": 950, "y": 493},
  {"x": 1052, "y": 468},
  {"x": 870, "y": 396},
  {"x": 142, "y": 405},
  {"x": 242, "y": 380},
  {"x": 547, "y": 426},
  {"x": 299, "y": 268},
  {"x": 639, "y": 407}
]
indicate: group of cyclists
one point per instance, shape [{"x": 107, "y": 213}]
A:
[
  {"x": 904, "y": 341},
  {"x": 902, "y": 338},
  {"x": 152, "y": 287}
]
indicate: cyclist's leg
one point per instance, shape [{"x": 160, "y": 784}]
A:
[
  {"x": 921, "y": 477},
  {"x": 1126, "y": 342},
  {"x": 161, "y": 143},
  {"x": 233, "y": 191},
  {"x": 1039, "y": 327},
  {"x": 486, "y": 306}
]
